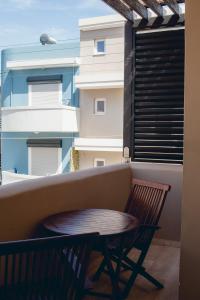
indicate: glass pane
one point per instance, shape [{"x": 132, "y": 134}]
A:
[
  {"x": 100, "y": 46},
  {"x": 100, "y": 106},
  {"x": 100, "y": 163}
]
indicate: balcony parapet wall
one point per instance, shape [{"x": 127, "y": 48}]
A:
[{"x": 25, "y": 204}]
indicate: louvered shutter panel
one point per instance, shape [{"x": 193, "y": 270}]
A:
[{"x": 159, "y": 97}]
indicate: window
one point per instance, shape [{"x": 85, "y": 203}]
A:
[
  {"x": 100, "y": 106},
  {"x": 44, "y": 92},
  {"x": 99, "y": 47},
  {"x": 44, "y": 157},
  {"x": 157, "y": 127},
  {"x": 99, "y": 162}
]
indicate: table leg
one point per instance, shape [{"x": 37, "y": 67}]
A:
[{"x": 114, "y": 275}]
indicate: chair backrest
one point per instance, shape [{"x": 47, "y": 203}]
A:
[
  {"x": 46, "y": 268},
  {"x": 146, "y": 201}
]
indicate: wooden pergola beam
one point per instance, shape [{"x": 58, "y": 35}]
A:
[
  {"x": 121, "y": 8},
  {"x": 155, "y": 6},
  {"x": 138, "y": 8},
  {"x": 173, "y": 5}
]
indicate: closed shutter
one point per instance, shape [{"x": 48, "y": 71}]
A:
[
  {"x": 159, "y": 97},
  {"x": 45, "y": 156},
  {"x": 44, "y": 94},
  {"x": 44, "y": 161}
]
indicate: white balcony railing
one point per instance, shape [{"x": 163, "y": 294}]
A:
[
  {"x": 98, "y": 144},
  {"x": 40, "y": 119}
]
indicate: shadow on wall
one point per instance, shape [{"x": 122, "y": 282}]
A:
[{"x": 170, "y": 174}]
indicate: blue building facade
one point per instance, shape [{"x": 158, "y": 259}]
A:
[{"x": 40, "y": 108}]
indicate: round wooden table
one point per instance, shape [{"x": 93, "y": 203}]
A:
[
  {"x": 108, "y": 223},
  {"x": 104, "y": 221}
]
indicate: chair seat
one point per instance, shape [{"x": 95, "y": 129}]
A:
[{"x": 133, "y": 237}]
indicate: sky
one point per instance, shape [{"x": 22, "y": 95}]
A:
[{"x": 23, "y": 21}]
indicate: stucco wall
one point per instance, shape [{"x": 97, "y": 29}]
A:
[
  {"x": 24, "y": 205},
  {"x": 15, "y": 150},
  {"x": 28, "y": 203},
  {"x": 170, "y": 221},
  {"x": 109, "y": 125},
  {"x": 112, "y": 61},
  {"x": 14, "y": 153},
  {"x": 14, "y": 84},
  {"x": 86, "y": 158},
  {"x": 190, "y": 240}
]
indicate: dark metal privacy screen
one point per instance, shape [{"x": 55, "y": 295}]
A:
[{"x": 158, "y": 97}]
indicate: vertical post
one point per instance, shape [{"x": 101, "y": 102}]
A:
[{"x": 129, "y": 74}]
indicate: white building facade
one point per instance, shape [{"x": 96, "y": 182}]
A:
[{"x": 100, "y": 83}]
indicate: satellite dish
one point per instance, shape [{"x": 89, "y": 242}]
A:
[{"x": 46, "y": 39}]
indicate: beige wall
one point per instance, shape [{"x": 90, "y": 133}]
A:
[
  {"x": 170, "y": 221},
  {"x": 87, "y": 158},
  {"x": 109, "y": 125},
  {"x": 190, "y": 247},
  {"x": 24, "y": 205},
  {"x": 112, "y": 61}
]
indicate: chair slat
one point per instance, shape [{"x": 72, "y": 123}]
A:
[
  {"x": 48, "y": 268},
  {"x": 146, "y": 200}
]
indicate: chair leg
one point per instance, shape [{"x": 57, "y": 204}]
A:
[
  {"x": 151, "y": 279},
  {"x": 99, "y": 271},
  {"x": 137, "y": 268},
  {"x": 142, "y": 272},
  {"x": 129, "y": 284}
]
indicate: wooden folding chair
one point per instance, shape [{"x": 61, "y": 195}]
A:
[
  {"x": 145, "y": 202},
  {"x": 45, "y": 268}
]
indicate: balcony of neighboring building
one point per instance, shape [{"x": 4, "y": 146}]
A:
[
  {"x": 39, "y": 93},
  {"x": 40, "y": 119},
  {"x": 98, "y": 144}
]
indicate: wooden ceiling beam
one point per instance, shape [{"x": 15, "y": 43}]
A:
[
  {"x": 121, "y": 8},
  {"x": 138, "y": 8},
  {"x": 155, "y": 6},
  {"x": 173, "y": 5}
]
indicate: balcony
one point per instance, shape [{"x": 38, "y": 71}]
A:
[
  {"x": 40, "y": 119},
  {"x": 90, "y": 144},
  {"x": 33, "y": 200}
]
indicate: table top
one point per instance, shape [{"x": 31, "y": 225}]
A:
[{"x": 104, "y": 221}]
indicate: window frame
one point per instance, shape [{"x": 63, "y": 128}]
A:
[
  {"x": 96, "y": 112},
  {"x": 96, "y": 52},
  {"x": 99, "y": 159}
]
